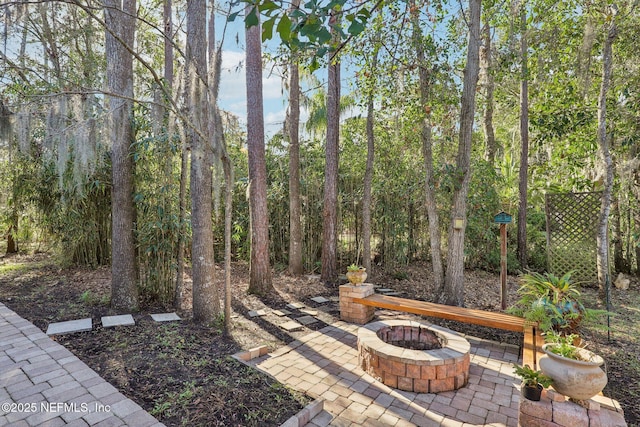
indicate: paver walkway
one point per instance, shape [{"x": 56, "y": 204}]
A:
[
  {"x": 324, "y": 364},
  {"x": 44, "y": 384}
]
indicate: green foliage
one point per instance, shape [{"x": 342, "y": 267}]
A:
[
  {"x": 531, "y": 377},
  {"x": 536, "y": 240},
  {"x": 78, "y": 218},
  {"x": 563, "y": 345},
  {"x": 552, "y": 301},
  {"x": 400, "y": 275},
  {"x": 482, "y": 234},
  {"x": 91, "y": 299},
  {"x": 157, "y": 189},
  {"x": 308, "y": 27}
]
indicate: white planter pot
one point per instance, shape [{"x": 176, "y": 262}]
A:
[
  {"x": 357, "y": 277},
  {"x": 576, "y": 379}
]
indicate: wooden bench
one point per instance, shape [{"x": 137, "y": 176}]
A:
[{"x": 532, "y": 348}]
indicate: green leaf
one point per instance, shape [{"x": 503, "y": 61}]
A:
[
  {"x": 314, "y": 64},
  {"x": 232, "y": 17},
  {"x": 251, "y": 19},
  {"x": 267, "y": 6},
  {"x": 267, "y": 28},
  {"x": 364, "y": 14},
  {"x": 310, "y": 27},
  {"x": 323, "y": 35},
  {"x": 284, "y": 28},
  {"x": 356, "y": 28}
]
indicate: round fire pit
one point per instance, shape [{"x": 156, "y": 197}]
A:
[{"x": 414, "y": 356}]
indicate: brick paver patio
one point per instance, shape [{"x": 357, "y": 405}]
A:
[
  {"x": 324, "y": 364},
  {"x": 44, "y": 384}
]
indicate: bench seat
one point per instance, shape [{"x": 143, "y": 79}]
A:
[{"x": 532, "y": 338}]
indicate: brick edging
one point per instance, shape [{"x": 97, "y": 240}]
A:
[{"x": 306, "y": 414}]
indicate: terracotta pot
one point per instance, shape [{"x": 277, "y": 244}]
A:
[
  {"x": 532, "y": 392},
  {"x": 357, "y": 277},
  {"x": 577, "y": 379}
]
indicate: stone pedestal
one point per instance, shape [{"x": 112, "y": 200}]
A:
[
  {"x": 353, "y": 312},
  {"x": 553, "y": 410}
]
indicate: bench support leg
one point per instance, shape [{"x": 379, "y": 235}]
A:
[{"x": 532, "y": 350}]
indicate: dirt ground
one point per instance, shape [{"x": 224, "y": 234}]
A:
[{"x": 181, "y": 372}]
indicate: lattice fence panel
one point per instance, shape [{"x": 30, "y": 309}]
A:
[{"x": 572, "y": 220}]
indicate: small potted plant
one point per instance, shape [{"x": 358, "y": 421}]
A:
[
  {"x": 356, "y": 274},
  {"x": 575, "y": 371},
  {"x": 532, "y": 381}
]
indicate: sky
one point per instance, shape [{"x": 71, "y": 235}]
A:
[
  {"x": 232, "y": 86},
  {"x": 233, "y": 92}
]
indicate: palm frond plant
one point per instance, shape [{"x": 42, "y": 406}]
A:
[{"x": 551, "y": 301}]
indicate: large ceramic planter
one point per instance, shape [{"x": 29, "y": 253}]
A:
[
  {"x": 577, "y": 379},
  {"x": 357, "y": 277}
]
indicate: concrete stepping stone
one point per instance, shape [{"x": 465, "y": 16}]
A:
[
  {"x": 295, "y": 305},
  {"x": 281, "y": 313},
  {"x": 121, "y": 320},
  {"x": 393, "y": 294},
  {"x": 165, "y": 317},
  {"x": 70, "y": 326},
  {"x": 319, "y": 300},
  {"x": 306, "y": 320},
  {"x": 384, "y": 290},
  {"x": 309, "y": 312},
  {"x": 291, "y": 326},
  {"x": 257, "y": 313}
]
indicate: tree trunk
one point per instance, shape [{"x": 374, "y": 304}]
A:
[
  {"x": 524, "y": 137},
  {"x": 435, "y": 236},
  {"x": 206, "y": 301},
  {"x": 220, "y": 145},
  {"x": 619, "y": 262},
  {"x": 329, "y": 271},
  {"x": 12, "y": 244},
  {"x": 368, "y": 174},
  {"x": 168, "y": 43},
  {"x": 260, "y": 269},
  {"x": 182, "y": 215},
  {"x": 634, "y": 205},
  {"x": 120, "y": 18},
  {"x": 228, "y": 224},
  {"x": 604, "y": 154},
  {"x": 488, "y": 82},
  {"x": 453, "y": 292},
  {"x": 184, "y": 156},
  {"x": 295, "y": 208}
]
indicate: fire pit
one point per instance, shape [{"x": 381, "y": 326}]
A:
[{"x": 414, "y": 356}]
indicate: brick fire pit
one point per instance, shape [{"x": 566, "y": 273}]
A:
[{"x": 414, "y": 356}]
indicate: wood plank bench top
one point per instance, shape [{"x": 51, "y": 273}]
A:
[{"x": 461, "y": 314}]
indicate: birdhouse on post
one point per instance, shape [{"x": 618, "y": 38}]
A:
[{"x": 503, "y": 219}]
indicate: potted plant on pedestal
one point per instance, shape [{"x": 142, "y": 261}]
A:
[
  {"x": 356, "y": 274},
  {"x": 575, "y": 370},
  {"x": 532, "y": 381}
]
